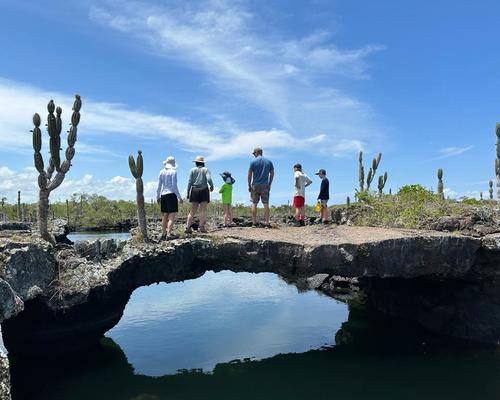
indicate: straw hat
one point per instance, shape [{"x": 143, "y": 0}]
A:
[
  {"x": 170, "y": 163},
  {"x": 199, "y": 159}
]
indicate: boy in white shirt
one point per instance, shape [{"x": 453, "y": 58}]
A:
[{"x": 301, "y": 182}]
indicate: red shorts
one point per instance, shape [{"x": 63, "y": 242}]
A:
[{"x": 298, "y": 201}]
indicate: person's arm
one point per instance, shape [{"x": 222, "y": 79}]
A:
[
  {"x": 190, "y": 183},
  {"x": 271, "y": 175},
  {"x": 297, "y": 184},
  {"x": 308, "y": 181},
  {"x": 222, "y": 188},
  {"x": 250, "y": 173},
  {"x": 209, "y": 180},
  {"x": 176, "y": 188},
  {"x": 158, "y": 189},
  {"x": 322, "y": 189}
]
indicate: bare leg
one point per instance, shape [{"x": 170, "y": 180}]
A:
[
  {"x": 203, "y": 213},
  {"x": 164, "y": 221},
  {"x": 192, "y": 213},
  {"x": 254, "y": 213},
  {"x": 170, "y": 224},
  {"x": 266, "y": 213},
  {"x": 297, "y": 214},
  {"x": 226, "y": 214},
  {"x": 230, "y": 214},
  {"x": 302, "y": 213}
]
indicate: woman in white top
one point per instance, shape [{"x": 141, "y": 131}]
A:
[{"x": 168, "y": 196}]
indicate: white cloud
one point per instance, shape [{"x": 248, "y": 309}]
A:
[
  {"x": 292, "y": 79},
  {"x": 100, "y": 118},
  {"x": 453, "y": 151},
  {"x": 25, "y": 180}
]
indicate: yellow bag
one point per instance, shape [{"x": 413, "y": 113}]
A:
[{"x": 317, "y": 207}]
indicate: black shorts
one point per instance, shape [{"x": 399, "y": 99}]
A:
[
  {"x": 199, "y": 195},
  {"x": 169, "y": 203}
]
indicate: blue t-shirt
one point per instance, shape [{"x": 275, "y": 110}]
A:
[{"x": 260, "y": 167}]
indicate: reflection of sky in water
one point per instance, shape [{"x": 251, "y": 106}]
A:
[
  {"x": 76, "y": 236},
  {"x": 221, "y": 317}
]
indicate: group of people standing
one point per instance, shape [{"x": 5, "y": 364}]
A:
[{"x": 200, "y": 185}]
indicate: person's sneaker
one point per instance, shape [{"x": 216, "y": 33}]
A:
[
  {"x": 162, "y": 238},
  {"x": 172, "y": 236},
  {"x": 188, "y": 231},
  {"x": 267, "y": 226},
  {"x": 302, "y": 222},
  {"x": 326, "y": 222},
  {"x": 202, "y": 229},
  {"x": 254, "y": 225},
  {"x": 296, "y": 223}
]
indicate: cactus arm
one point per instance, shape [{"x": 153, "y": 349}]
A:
[
  {"x": 369, "y": 178},
  {"x": 70, "y": 150}
]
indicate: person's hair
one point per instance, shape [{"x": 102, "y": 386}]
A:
[
  {"x": 200, "y": 164},
  {"x": 298, "y": 166}
]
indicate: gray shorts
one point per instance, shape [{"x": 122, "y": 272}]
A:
[
  {"x": 324, "y": 203},
  {"x": 260, "y": 192}
]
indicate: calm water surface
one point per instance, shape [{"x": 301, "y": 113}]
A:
[
  {"x": 251, "y": 336},
  {"x": 76, "y": 236}
]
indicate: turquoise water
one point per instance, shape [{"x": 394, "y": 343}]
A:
[
  {"x": 252, "y": 336},
  {"x": 76, "y": 236}
]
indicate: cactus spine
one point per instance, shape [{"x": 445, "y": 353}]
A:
[
  {"x": 440, "y": 183},
  {"x": 361, "y": 172},
  {"x": 497, "y": 162},
  {"x": 381, "y": 183},
  {"x": 490, "y": 189},
  {"x": 47, "y": 183},
  {"x": 136, "y": 168}
]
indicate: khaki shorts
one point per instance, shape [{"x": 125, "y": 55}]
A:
[
  {"x": 324, "y": 203},
  {"x": 260, "y": 192}
]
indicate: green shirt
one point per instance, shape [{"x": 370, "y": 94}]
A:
[{"x": 227, "y": 193}]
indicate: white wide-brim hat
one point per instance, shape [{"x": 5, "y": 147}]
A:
[
  {"x": 170, "y": 162},
  {"x": 199, "y": 159}
]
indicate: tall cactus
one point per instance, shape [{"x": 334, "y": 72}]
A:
[
  {"x": 47, "y": 183},
  {"x": 19, "y": 205},
  {"x": 136, "y": 170},
  {"x": 361, "y": 172},
  {"x": 490, "y": 189},
  {"x": 381, "y": 183},
  {"x": 497, "y": 162},
  {"x": 440, "y": 183}
]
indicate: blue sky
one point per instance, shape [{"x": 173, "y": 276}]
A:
[{"x": 309, "y": 81}]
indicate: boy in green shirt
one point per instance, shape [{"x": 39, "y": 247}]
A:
[{"x": 226, "y": 191}]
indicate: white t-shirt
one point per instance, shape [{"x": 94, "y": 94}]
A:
[{"x": 304, "y": 181}]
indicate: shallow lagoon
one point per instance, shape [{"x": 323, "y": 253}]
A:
[{"x": 252, "y": 336}]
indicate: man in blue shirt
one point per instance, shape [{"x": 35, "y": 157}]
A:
[{"x": 260, "y": 178}]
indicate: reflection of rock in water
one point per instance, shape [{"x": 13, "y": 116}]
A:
[{"x": 364, "y": 366}]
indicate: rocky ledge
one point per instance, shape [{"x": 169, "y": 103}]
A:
[{"x": 68, "y": 296}]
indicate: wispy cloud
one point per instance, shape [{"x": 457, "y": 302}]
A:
[
  {"x": 101, "y": 118},
  {"x": 453, "y": 151},
  {"x": 292, "y": 79}
]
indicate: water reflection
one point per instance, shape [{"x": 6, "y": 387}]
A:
[
  {"x": 78, "y": 236},
  {"x": 188, "y": 325},
  {"x": 221, "y": 317},
  {"x": 353, "y": 370}
]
